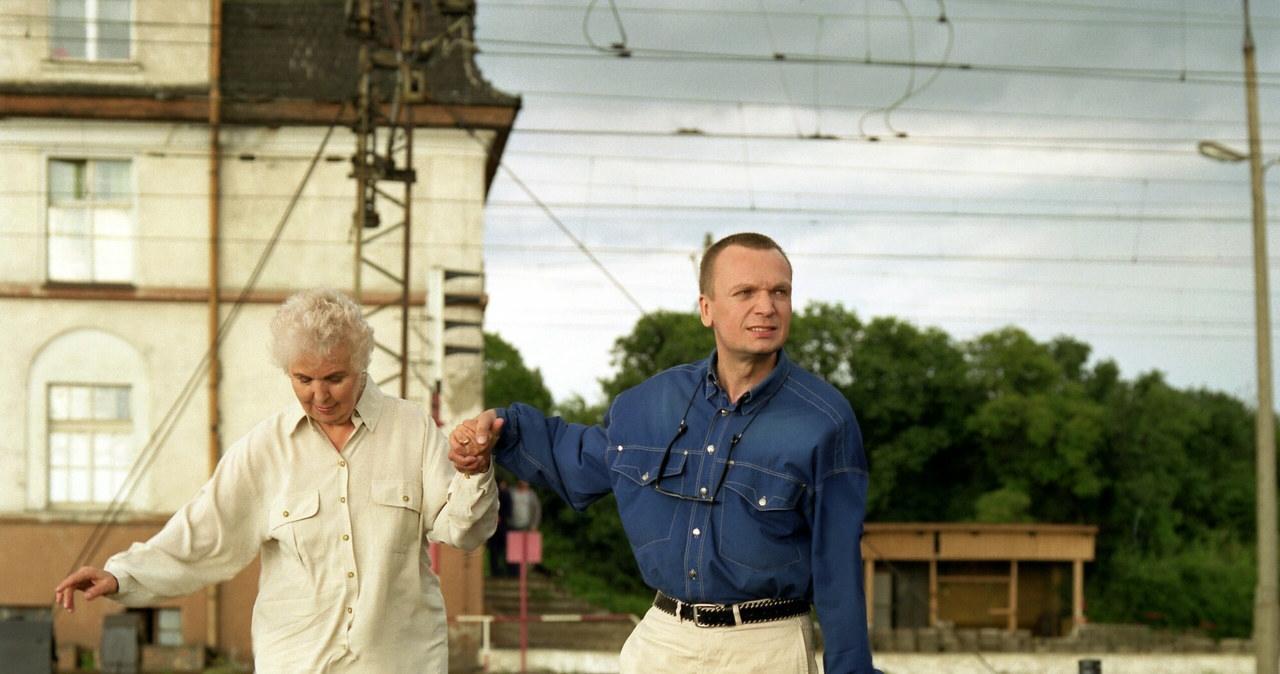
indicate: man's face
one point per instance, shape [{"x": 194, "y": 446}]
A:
[
  {"x": 749, "y": 307},
  {"x": 327, "y": 387}
]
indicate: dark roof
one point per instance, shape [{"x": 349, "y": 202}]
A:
[
  {"x": 304, "y": 50},
  {"x": 291, "y": 61}
]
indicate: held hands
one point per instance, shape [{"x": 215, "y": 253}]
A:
[
  {"x": 93, "y": 582},
  {"x": 471, "y": 443}
]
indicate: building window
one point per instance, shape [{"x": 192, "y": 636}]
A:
[
  {"x": 91, "y": 230},
  {"x": 168, "y": 627},
  {"x": 90, "y": 442},
  {"x": 159, "y": 626},
  {"x": 90, "y": 30}
]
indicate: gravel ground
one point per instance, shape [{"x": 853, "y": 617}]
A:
[{"x": 595, "y": 662}]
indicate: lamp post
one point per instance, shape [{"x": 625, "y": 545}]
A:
[{"x": 1266, "y": 608}]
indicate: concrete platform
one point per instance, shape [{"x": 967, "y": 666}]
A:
[{"x": 604, "y": 662}]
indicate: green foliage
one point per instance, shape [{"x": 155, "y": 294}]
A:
[
  {"x": 589, "y": 553},
  {"x": 1004, "y": 505},
  {"x": 658, "y": 341},
  {"x": 999, "y": 428},
  {"x": 591, "y": 557},
  {"x": 576, "y": 410},
  {"x": 507, "y": 379},
  {"x": 1206, "y": 584}
]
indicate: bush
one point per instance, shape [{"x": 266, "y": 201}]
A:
[{"x": 1209, "y": 584}]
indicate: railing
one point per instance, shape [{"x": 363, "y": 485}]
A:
[{"x": 487, "y": 621}]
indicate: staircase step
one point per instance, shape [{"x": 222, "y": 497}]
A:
[{"x": 502, "y": 598}]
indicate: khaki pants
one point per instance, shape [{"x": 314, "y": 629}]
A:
[{"x": 663, "y": 643}]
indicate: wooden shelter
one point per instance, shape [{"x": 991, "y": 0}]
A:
[{"x": 976, "y": 575}]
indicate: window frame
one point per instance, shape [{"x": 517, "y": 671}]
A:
[
  {"x": 95, "y": 427},
  {"x": 94, "y": 25},
  {"x": 91, "y": 212}
]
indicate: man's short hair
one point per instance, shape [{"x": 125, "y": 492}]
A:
[{"x": 706, "y": 271}]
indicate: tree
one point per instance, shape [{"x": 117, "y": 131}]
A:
[
  {"x": 999, "y": 428},
  {"x": 658, "y": 341},
  {"x": 588, "y": 552},
  {"x": 507, "y": 379}
]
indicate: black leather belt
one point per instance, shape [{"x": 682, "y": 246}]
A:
[{"x": 728, "y": 615}]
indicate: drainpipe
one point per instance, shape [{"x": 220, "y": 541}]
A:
[{"x": 215, "y": 280}]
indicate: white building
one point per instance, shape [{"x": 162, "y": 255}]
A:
[{"x": 164, "y": 169}]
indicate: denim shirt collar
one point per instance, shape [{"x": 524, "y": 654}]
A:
[{"x": 759, "y": 394}]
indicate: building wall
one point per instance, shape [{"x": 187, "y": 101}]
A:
[
  {"x": 155, "y": 339},
  {"x": 153, "y": 334},
  {"x": 170, "y": 46}
]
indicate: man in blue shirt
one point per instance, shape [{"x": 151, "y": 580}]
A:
[{"x": 740, "y": 480}]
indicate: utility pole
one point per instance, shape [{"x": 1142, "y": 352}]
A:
[{"x": 1266, "y": 612}]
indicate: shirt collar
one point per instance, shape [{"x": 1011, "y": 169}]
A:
[
  {"x": 760, "y": 393},
  {"x": 368, "y": 407}
]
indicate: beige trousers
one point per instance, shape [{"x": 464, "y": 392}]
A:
[{"x": 663, "y": 643}]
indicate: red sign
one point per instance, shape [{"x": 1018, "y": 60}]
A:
[{"x": 524, "y": 546}]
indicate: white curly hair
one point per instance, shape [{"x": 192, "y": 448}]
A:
[{"x": 317, "y": 321}]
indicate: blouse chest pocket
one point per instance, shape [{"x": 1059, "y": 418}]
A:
[
  {"x": 761, "y": 525},
  {"x": 293, "y": 520},
  {"x": 397, "y": 512}
]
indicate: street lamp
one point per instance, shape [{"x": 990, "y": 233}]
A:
[
  {"x": 1266, "y": 612},
  {"x": 1266, "y": 607},
  {"x": 1219, "y": 152}
]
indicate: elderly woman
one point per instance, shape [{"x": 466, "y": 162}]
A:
[{"x": 339, "y": 497}]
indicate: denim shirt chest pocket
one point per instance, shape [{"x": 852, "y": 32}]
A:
[
  {"x": 398, "y": 509},
  {"x": 293, "y": 522},
  {"x": 646, "y": 514},
  {"x": 760, "y": 519}
]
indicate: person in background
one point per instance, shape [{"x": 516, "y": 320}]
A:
[
  {"x": 526, "y": 509},
  {"x": 740, "y": 480},
  {"x": 339, "y": 496}
]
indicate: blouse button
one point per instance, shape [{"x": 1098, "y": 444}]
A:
[
  {"x": 351, "y": 574},
  {"x": 286, "y": 513},
  {"x": 346, "y": 537},
  {"x": 405, "y": 498},
  {"x": 342, "y": 499},
  {"x": 342, "y": 464},
  {"x": 348, "y": 609}
]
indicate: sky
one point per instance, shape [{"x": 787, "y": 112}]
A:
[{"x": 960, "y": 164}]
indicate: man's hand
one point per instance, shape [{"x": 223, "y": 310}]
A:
[
  {"x": 92, "y": 581},
  {"x": 471, "y": 443}
]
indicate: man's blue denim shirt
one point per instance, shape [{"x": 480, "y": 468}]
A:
[{"x": 786, "y": 521}]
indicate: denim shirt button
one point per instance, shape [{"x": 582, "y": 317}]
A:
[{"x": 697, "y": 533}]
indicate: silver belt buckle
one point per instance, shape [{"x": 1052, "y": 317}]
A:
[{"x": 697, "y": 615}]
